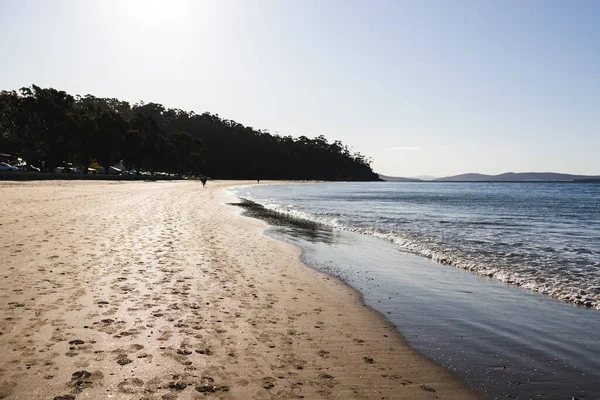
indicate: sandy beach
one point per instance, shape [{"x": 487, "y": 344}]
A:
[{"x": 112, "y": 290}]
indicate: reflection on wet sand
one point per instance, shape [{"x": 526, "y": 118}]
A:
[
  {"x": 308, "y": 230},
  {"x": 503, "y": 341}
]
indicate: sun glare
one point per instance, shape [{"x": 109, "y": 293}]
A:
[{"x": 154, "y": 13}]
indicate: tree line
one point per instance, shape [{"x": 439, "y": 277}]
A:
[{"x": 50, "y": 127}]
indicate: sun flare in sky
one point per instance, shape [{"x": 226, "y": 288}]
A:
[
  {"x": 160, "y": 17},
  {"x": 159, "y": 12}
]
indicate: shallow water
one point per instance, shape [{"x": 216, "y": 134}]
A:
[
  {"x": 541, "y": 236},
  {"x": 503, "y": 341}
]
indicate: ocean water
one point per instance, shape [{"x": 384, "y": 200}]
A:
[
  {"x": 544, "y": 237},
  {"x": 493, "y": 320}
]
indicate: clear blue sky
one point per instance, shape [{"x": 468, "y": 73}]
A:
[{"x": 422, "y": 87}]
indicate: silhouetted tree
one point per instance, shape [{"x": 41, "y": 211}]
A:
[{"x": 54, "y": 127}]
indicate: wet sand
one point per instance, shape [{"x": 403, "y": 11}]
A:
[{"x": 163, "y": 291}]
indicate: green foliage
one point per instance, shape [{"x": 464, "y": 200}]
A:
[{"x": 54, "y": 127}]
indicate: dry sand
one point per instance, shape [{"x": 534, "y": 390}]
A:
[{"x": 162, "y": 291}]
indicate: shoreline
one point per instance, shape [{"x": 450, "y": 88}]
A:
[
  {"x": 567, "y": 293},
  {"x": 501, "y": 340},
  {"x": 358, "y": 297},
  {"x": 163, "y": 291}
]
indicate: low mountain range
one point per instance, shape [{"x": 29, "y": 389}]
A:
[
  {"x": 505, "y": 177},
  {"x": 519, "y": 177},
  {"x": 424, "y": 177},
  {"x": 398, "y": 179}
]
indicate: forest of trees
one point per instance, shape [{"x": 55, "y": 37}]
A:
[{"x": 50, "y": 127}]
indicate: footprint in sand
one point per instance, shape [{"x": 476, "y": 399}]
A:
[
  {"x": 6, "y": 389},
  {"x": 135, "y": 347},
  {"x": 268, "y": 382},
  {"x": 129, "y": 385},
  {"x": 323, "y": 353},
  {"x": 83, "y": 379},
  {"x": 123, "y": 359},
  {"x": 164, "y": 336}
]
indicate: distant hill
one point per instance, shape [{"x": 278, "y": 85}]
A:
[
  {"x": 61, "y": 129},
  {"x": 519, "y": 177},
  {"x": 465, "y": 178},
  {"x": 397, "y": 179},
  {"x": 423, "y": 177}
]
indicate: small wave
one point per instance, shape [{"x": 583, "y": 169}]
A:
[
  {"x": 294, "y": 213},
  {"x": 576, "y": 287}
]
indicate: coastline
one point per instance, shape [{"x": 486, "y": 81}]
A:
[
  {"x": 162, "y": 290},
  {"x": 510, "y": 270},
  {"x": 502, "y": 340}
]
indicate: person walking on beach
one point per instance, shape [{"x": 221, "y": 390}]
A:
[{"x": 203, "y": 179}]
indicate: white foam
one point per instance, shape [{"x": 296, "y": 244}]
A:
[{"x": 542, "y": 280}]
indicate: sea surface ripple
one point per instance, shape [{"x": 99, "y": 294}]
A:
[{"x": 544, "y": 237}]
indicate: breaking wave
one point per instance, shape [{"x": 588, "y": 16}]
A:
[{"x": 568, "y": 273}]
